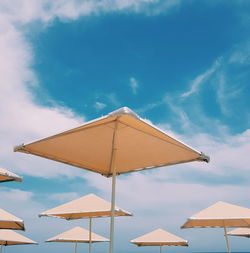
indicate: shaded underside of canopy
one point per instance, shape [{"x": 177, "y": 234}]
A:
[
  {"x": 9, "y": 237},
  {"x": 9, "y": 221},
  {"x": 79, "y": 235},
  {"x": 6, "y": 176},
  {"x": 159, "y": 237},
  {"x": 139, "y": 145},
  {"x": 244, "y": 232},
  {"x": 221, "y": 214},
  {"x": 85, "y": 207}
]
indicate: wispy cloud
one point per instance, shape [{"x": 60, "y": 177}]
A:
[
  {"x": 241, "y": 54},
  {"x": 64, "y": 197},
  {"x": 113, "y": 100},
  {"x": 226, "y": 93},
  {"x": 133, "y": 83},
  {"x": 26, "y": 11},
  {"x": 177, "y": 110},
  {"x": 200, "y": 80},
  {"x": 99, "y": 106}
]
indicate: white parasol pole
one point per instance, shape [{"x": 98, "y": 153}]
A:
[
  {"x": 161, "y": 249},
  {"x": 1, "y": 248},
  {"x": 75, "y": 246},
  {"x": 112, "y": 221},
  {"x": 227, "y": 242},
  {"x": 90, "y": 234},
  {"x": 113, "y": 171}
]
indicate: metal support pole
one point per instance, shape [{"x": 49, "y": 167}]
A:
[
  {"x": 112, "y": 218},
  {"x": 90, "y": 234},
  {"x": 1, "y": 248},
  {"x": 113, "y": 172},
  {"x": 75, "y": 247},
  {"x": 227, "y": 242},
  {"x": 161, "y": 249}
]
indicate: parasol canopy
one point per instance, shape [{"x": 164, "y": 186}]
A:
[
  {"x": 221, "y": 214},
  {"x": 9, "y": 221},
  {"x": 118, "y": 143},
  {"x": 89, "y": 206},
  {"x": 159, "y": 237},
  {"x": 244, "y": 232},
  {"x": 6, "y": 176},
  {"x": 77, "y": 234},
  {"x": 139, "y": 145},
  {"x": 10, "y": 237}
]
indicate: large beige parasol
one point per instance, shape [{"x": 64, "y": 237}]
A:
[
  {"x": 89, "y": 206},
  {"x": 118, "y": 143},
  {"x": 159, "y": 237},
  {"x": 9, "y": 221},
  {"x": 6, "y": 176},
  {"x": 9, "y": 237},
  {"x": 77, "y": 235},
  {"x": 221, "y": 214},
  {"x": 244, "y": 232}
]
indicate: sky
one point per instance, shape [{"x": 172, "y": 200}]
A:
[{"x": 183, "y": 65}]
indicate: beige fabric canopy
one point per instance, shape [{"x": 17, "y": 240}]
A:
[
  {"x": 139, "y": 145},
  {"x": 89, "y": 206},
  {"x": 10, "y": 237},
  {"x": 6, "y": 176},
  {"x": 9, "y": 221},
  {"x": 221, "y": 214},
  {"x": 77, "y": 234},
  {"x": 159, "y": 237},
  {"x": 117, "y": 143},
  {"x": 244, "y": 232}
]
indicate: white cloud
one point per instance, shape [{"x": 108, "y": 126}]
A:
[
  {"x": 26, "y": 11},
  {"x": 63, "y": 197},
  {"x": 199, "y": 80},
  {"x": 22, "y": 119},
  {"x": 99, "y": 106},
  {"x": 133, "y": 85},
  {"x": 113, "y": 100},
  {"x": 241, "y": 54}
]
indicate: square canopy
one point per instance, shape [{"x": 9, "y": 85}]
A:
[
  {"x": 89, "y": 206},
  {"x": 159, "y": 237},
  {"x": 221, "y": 214},
  {"x": 79, "y": 235},
  {"x": 9, "y": 221},
  {"x": 138, "y": 144},
  {"x": 244, "y": 232},
  {"x": 6, "y": 176},
  {"x": 9, "y": 237}
]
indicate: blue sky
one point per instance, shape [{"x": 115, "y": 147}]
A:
[{"x": 184, "y": 65}]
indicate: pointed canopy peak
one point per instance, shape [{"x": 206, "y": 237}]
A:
[
  {"x": 159, "y": 237},
  {"x": 123, "y": 111},
  {"x": 223, "y": 210},
  {"x": 77, "y": 234},
  {"x": 85, "y": 207}
]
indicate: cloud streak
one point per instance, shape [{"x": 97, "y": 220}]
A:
[
  {"x": 200, "y": 80},
  {"x": 133, "y": 85}
]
